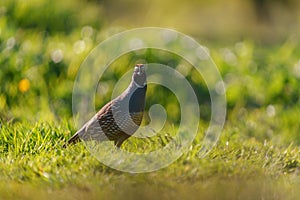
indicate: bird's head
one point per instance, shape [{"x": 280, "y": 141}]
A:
[{"x": 139, "y": 75}]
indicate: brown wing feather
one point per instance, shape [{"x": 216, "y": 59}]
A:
[{"x": 103, "y": 127}]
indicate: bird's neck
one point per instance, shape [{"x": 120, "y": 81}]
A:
[
  {"x": 135, "y": 96},
  {"x": 137, "y": 85}
]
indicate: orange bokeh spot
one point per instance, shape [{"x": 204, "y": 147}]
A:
[{"x": 24, "y": 85}]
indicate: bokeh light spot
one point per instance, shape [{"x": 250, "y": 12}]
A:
[{"x": 57, "y": 56}]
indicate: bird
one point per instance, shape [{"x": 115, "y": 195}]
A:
[{"x": 121, "y": 117}]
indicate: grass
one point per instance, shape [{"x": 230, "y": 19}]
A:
[
  {"x": 257, "y": 156},
  {"x": 34, "y": 165}
]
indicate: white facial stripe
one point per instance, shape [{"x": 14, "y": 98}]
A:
[{"x": 139, "y": 86}]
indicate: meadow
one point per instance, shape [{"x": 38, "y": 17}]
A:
[{"x": 42, "y": 45}]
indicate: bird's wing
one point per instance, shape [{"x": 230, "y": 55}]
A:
[{"x": 92, "y": 130}]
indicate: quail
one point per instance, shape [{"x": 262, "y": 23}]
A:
[{"x": 121, "y": 117}]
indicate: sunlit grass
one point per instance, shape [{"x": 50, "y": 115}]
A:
[
  {"x": 34, "y": 162},
  {"x": 43, "y": 43}
]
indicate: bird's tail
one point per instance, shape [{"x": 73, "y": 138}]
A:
[
  {"x": 73, "y": 140},
  {"x": 76, "y": 137}
]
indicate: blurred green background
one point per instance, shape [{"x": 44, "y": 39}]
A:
[{"x": 254, "y": 43}]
